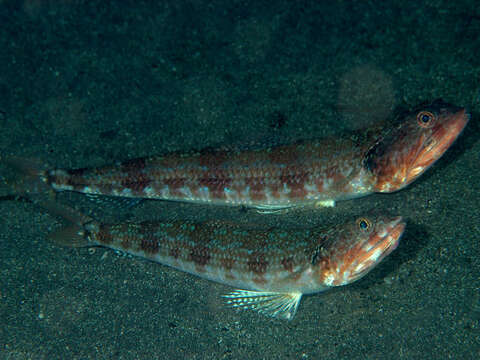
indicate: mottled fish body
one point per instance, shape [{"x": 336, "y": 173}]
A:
[
  {"x": 380, "y": 159},
  {"x": 272, "y": 267}
]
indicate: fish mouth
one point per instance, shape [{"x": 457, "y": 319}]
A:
[
  {"x": 389, "y": 238},
  {"x": 433, "y": 147},
  {"x": 380, "y": 244}
]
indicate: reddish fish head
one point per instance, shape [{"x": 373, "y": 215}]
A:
[
  {"x": 358, "y": 248},
  {"x": 403, "y": 152}
]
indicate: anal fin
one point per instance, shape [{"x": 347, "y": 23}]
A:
[
  {"x": 274, "y": 304},
  {"x": 273, "y": 209}
]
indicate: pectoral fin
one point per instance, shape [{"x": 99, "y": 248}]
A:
[{"x": 274, "y": 304}]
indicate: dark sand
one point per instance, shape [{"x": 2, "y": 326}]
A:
[{"x": 85, "y": 83}]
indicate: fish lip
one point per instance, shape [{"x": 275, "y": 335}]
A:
[
  {"x": 458, "y": 123},
  {"x": 390, "y": 240},
  {"x": 394, "y": 233},
  {"x": 386, "y": 243},
  {"x": 441, "y": 143}
]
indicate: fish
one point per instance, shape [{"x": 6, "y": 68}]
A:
[
  {"x": 380, "y": 159},
  {"x": 270, "y": 268}
]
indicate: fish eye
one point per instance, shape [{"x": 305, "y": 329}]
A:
[
  {"x": 364, "y": 224},
  {"x": 425, "y": 119}
]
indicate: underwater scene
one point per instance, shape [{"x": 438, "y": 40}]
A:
[{"x": 239, "y": 179}]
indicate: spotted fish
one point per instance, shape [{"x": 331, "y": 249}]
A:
[
  {"x": 380, "y": 159},
  {"x": 272, "y": 268}
]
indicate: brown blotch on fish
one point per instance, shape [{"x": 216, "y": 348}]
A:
[
  {"x": 104, "y": 236},
  {"x": 126, "y": 242},
  {"x": 287, "y": 264},
  {"x": 122, "y": 233},
  {"x": 149, "y": 245},
  {"x": 216, "y": 183},
  {"x": 295, "y": 179},
  {"x": 257, "y": 188},
  {"x": 174, "y": 252},
  {"x": 257, "y": 263},
  {"x": 174, "y": 182},
  {"x": 200, "y": 255},
  {"x": 136, "y": 182},
  {"x": 227, "y": 263}
]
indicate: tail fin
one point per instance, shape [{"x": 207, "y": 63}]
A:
[
  {"x": 27, "y": 179},
  {"x": 72, "y": 235},
  {"x": 26, "y": 176},
  {"x": 64, "y": 212}
]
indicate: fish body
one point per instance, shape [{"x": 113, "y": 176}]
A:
[
  {"x": 283, "y": 176},
  {"x": 272, "y": 268},
  {"x": 380, "y": 159}
]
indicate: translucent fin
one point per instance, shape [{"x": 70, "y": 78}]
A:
[
  {"x": 70, "y": 236},
  {"x": 26, "y": 176},
  {"x": 325, "y": 203},
  {"x": 272, "y": 209},
  {"x": 274, "y": 304},
  {"x": 73, "y": 235},
  {"x": 63, "y": 211},
  {"x": 114, "y": 201}
]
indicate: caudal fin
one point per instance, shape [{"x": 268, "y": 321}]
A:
[
  {"x": 73, "y": 234},
  {"x": 25, "y": 176},
  {"x": 64, "y": 212},
  {"x": 70, "y": 236}
]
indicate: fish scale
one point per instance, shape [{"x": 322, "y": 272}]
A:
[
  {"x": 380, "y": 159},
  {"x": 272, "y": 268},
  {"x": 241, "y": 253}
]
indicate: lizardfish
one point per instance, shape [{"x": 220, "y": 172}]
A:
[
  {"x": 272, "y": 268},
  {"x": 319, "y": 172}
]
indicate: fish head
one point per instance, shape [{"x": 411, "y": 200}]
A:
[
  {"x": 357, "y": 248},
  {"x": 405, "y": 150}
]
